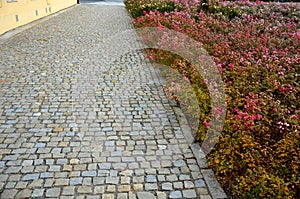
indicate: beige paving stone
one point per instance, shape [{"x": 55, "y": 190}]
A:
[
  {"x": 124, "y": 188},
  {"x": 108, "y": 196},
  {"x": 111, "y": 188},
  {"x": 99, "y": 189}
]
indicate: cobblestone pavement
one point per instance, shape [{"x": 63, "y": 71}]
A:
[{"x": 77, "y": 121}]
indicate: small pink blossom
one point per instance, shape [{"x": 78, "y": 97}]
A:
[
  {"x": 207, "y": 124},
  {"x": 159, "y": 26},
  {"x": 258, "y": 116},
  {"x": 186, "y": 79},
  {"x": 150, "y": 56}
]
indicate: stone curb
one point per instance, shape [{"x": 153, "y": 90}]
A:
[{"x": 214, "y": 186}]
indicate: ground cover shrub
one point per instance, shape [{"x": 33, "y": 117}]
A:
[
  {"x": 137, "y": 9},
  {"x": 256, "y": 48},
  {"x": 229, "y": 11}
]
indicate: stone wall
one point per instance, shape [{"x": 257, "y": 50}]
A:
[{"x": 14, "y": 13}]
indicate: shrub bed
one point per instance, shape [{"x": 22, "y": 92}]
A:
[{"x": 256, "y": 48}]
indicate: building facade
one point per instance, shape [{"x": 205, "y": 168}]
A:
[{"x": 14, "y": 13}]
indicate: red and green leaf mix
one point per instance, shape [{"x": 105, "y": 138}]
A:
[{"x": 256, "y": 48}]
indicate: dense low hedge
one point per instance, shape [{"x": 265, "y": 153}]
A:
[{"x": 256, "y": 47}]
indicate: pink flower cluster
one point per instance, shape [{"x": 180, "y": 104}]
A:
[
  {"x": 257, "y": 53},
  {"x": 251, "y": 112}
]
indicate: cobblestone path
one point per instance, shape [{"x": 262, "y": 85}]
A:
[{"x": 77, "y": 121}]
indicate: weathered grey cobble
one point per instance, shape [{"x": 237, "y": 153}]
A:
[{"x": 83, "y": 114}]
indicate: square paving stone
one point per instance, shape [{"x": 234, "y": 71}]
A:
[
  {"x": 84, "y": 189},
  {"x": 53, "y": 192},
  {"x": 189, "y": 193},
  {"x": 175, "y": 194},
  {"x": 89, "y": 173},
  {"x": 99, "y": 189},
  {"x": 76, "y": 181},
  {"x": 38, "y": 193},
  {"x": 151, "y": 186},
  {"x": 151, "y": 178},
  {"x": 112, "y": 180},
  {"x": 69, "y": 190},
  {"x": 199, "y": 183},
  {"x": 167, "y": 186},
  {"x": 8, "y": 193},
  {"x": 28, "y": 177}
]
